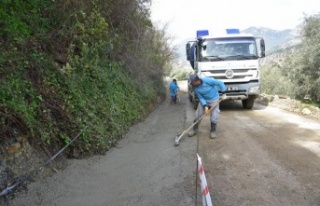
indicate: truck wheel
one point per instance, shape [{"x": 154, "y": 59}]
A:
[
  {"x": 189, "y": 93},
  {"x": 195, "y": 104},
  {"x": 190, "y": 98},
  {"x": 248, "y": 103}
]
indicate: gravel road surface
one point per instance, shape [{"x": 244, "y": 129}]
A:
[{"x": 263, "y": 156}]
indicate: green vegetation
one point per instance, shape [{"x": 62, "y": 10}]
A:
[
  {"x": 299, "y": 74},
  {"x": 274, "y": 83},
  {"x": 303, "y": 67},
  {"x": 68, "y": 64}
]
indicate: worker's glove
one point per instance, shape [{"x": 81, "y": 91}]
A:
[
  {"x": 223, "y": 96},
  {"x": 206, "y": 110}
]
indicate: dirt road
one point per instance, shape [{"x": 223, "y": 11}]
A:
[{"x": 263, "y": 156}]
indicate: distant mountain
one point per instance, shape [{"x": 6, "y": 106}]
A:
[
  {"x": 275, "y": 39},
  {"x": 278, "y": 43},
  {"x": 180, "y": 49}
]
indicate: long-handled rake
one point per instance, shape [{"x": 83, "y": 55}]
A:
[
  {"x": 178, "y": 137},
  {"x": 178, "y": 97}
]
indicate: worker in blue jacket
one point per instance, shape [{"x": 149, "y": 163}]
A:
[
  {"x": 174, "y": 88},
  {"x": 208, "y": 95}
]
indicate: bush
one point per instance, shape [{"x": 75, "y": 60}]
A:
[{"x": 273, "y": 82}]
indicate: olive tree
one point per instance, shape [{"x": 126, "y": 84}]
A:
[{"x": 303, "y": 66}]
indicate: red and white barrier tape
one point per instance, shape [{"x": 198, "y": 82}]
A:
[{"x": 206, "y": 199}]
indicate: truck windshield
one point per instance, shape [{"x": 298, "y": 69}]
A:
[{"x": 218, "y": 49}]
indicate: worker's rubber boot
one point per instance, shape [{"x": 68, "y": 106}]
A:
[
  {"x": 213, "y": 133},
  {"x": 194, "y": 130}
]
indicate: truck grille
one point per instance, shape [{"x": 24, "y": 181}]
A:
[{"x": 238, "y": 74}]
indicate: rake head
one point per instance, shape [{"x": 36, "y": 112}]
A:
[{"x": 176, "y": 141}]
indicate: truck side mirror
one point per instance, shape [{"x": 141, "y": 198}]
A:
[
  {"x": 262, "y": 47},
  {"x": 188, "y": 46}
]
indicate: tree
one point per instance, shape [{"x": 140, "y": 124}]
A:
[{"x": 303, "y": 66}]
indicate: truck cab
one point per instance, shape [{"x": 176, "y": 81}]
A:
[{"x": 232, "y": 58}]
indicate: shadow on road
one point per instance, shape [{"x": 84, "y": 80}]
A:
[{"x": 236, "y": 105}]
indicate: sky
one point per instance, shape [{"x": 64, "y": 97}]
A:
[{"x": 184, "y": 17}]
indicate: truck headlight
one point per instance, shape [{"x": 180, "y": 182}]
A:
[
  {"x": 255, "y": 90},
  {"x": 258, "y": 74},
  {"x": 255, "y": 74}
]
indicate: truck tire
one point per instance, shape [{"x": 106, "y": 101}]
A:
[
  {"x": 248, "y": 103},
  {"x": 195, "y": 104},
  {"x": 190, "y": 94},
  {"x": 190, "y": 97}
]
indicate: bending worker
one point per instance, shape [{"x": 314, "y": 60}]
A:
[{"x": 208, "y": 95}]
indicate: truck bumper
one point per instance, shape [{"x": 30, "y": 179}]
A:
[{"x": 243, "y": 91}]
